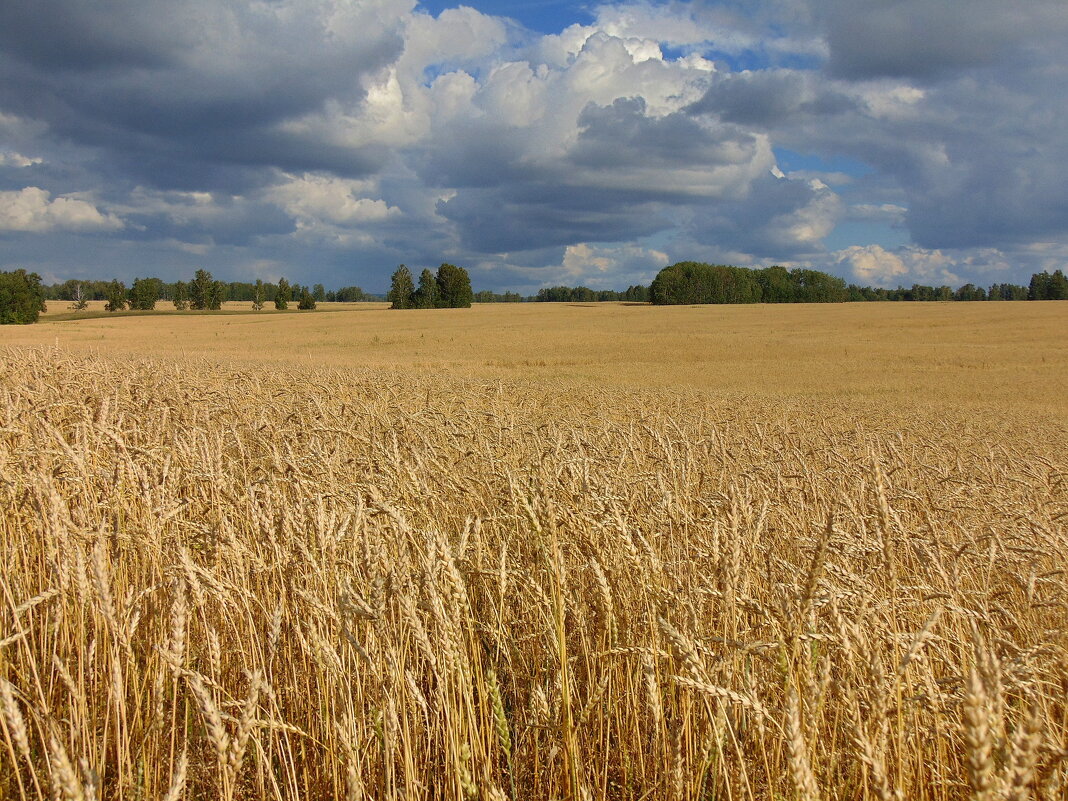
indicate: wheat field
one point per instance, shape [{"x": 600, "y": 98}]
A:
[{"x": 537, "y": 553}]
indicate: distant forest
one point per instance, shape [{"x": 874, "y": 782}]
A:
[
  {"x": 694, "y": 282},
  {"x": 683, "y": 283}
]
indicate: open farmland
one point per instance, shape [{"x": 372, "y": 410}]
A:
[
  {"x": 1011, "y": 358},
  {"x": 537, "y": 552}
]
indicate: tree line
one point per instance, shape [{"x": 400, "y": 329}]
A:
[
  {"x": 691, "y": 282},
  {"x": 202, "y": 293},
  {"x": 583, "y": 294},
  {"x": 23, "y": 296},
  {"x": 146, "y": 291},
  {"x": 696, "y": 282}
]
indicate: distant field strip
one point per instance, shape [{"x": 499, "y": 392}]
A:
[
  {"x": 227, "y": 581},
  {"x": 1006, "y": 358}
]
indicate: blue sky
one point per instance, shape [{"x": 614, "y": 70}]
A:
[
  {"x": 533, "y": 143},
  {"x": 542, "y": 16}
]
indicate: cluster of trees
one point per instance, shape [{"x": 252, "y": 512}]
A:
[
  {"x": 695, "y": 282},
  {"x": 202, "y": 293},
  {"x": 450, "y": 288},
  {"x": 1047, "y": 286}
]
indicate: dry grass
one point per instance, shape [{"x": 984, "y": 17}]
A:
[{"x": 226, "y": 582}]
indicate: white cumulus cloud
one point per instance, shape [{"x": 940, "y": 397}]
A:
[
  {"x": 12, "y": 159},
  {"x": 33, "y": 209},
  {"x": 602, "y": 266},
  {"x": 312, "y": 199},
  {"x": 875, "y": 265}
]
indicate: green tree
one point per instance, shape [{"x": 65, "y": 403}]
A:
[
  {"x": 21, "y": 297},
  {"x": 349, "y": 294},
  {"x": 1007, "y": 292},
  {"x": 240, "y": 290},
  {"x": 583, "y": 294},
  {"x": 401, "y": 289},
  {"x": 553, "y": 294},
  {"x": 201, "y": 290},
  {"x": 216, "y": 295},
  {"x": 1058, "y": 286},
  {"x": 116, "y": 297},
  {"x": 860, "y": 294},
  {"x": 970, "y": 292},
  {"x": 776, "y": 285},
  {"x": 1038, "y": 289},
  {"x": 307, "y": 299},
  {"x": 258, "y": 295},
  {"x": 454, "y": 287},
  {"x": 283, "y": 295},
  {"x": 1047, "y": 286},
  {"x": 319, "y": 293},
  {"x": 922, "y": 292},
  {"x": 180, "y": 295},
  {"x": 64, "y": 291},
  {"x": 144, "y": 293},
  {"x": 813, "y": 286},
  {"x": 694, "y": 282},
  {"x": 427, "y": 295}
]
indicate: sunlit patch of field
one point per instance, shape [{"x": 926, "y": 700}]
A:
[{"x": 537, "y": 552}]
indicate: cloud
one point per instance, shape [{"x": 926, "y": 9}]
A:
[
  {"x": 964, "y": 125},
  {"x": 606, "y": 267},
  {"x": 585, "y": 264},
  {"x": 595, "y": 148},
  {"x": 458, "y": 38},
  {"x": 32, "y": 209},
  {"x": 12, "y": 159},
  {"x": 217, "y": 217},
  {"x": 173, "y": 90},
  {"x": 535, "y": 215},
  {"x": 725, "y": 28},
  {"x": 767, "y": 98},
  {"x": 781, "y": 219},
  {"x": 337, "y": 133},
  {"x": 873, "y": 265},
  {"x": 316, "y": 199},
  {"x": 930, "y": 39},
  {"x": 890, "y": 212},
  {"x": 673, "y": 153},
  {"x": 906, "y": 265}
]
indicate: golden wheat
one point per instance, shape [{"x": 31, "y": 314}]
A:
[{"x": 221, "y": 581}]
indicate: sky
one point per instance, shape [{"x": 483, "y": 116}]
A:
[{"x": 889, "y": 142}]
